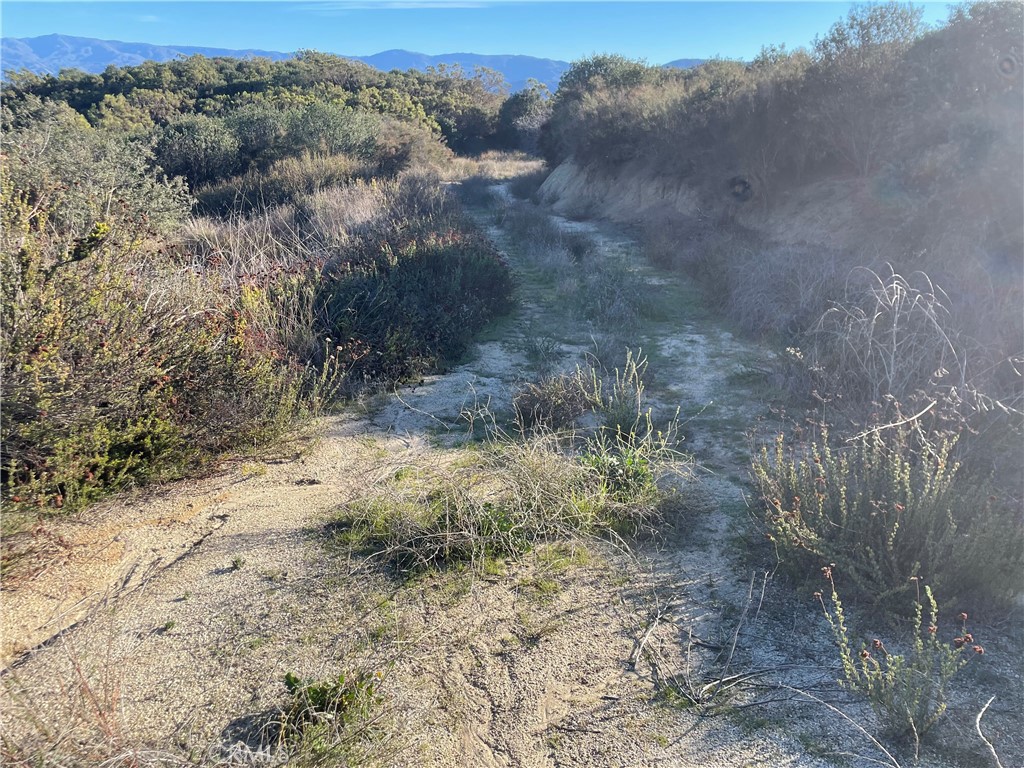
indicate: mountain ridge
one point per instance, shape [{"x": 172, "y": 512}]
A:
[{"x": 48, "y": 54}]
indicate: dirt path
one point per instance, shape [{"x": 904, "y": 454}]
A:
[{"x": 185, "y": 607}]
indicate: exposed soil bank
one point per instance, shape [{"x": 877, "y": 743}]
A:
[{"x": 829, "y": 213}]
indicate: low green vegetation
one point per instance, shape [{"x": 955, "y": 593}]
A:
[
  {"x": 910, "y": 691},
  {"x": 888, "y": 507},
  {"x": 511, "y": 497},
  {"x": 547, "y": 483},
  {"x": 329, "y": 722}
]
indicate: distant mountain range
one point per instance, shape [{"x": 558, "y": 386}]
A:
[
  {"x": 685, "y": 63},
  {"x": 52, "y": 53},
  {"x": 516, "y": 69}
]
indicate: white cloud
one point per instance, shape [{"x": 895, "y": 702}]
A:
[{"x": 148, "y": 18}]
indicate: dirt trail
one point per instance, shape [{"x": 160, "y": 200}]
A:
[{"x": 185, "y": 606}]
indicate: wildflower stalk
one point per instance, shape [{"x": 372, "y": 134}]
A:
[{"x": 909, "y": 693}]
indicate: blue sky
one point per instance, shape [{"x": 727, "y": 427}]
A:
[{"x": 656, "y": 31}]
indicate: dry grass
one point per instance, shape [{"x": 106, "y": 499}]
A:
[
  {"x": 495, "y": 165},
  {"x": 510, "y": 495},
  {"x": 890, "y": 338}
]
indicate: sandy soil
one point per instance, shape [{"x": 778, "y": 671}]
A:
[{"x": 168, "y": 618}]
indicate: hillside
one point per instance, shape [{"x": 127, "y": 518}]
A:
[
  {"x": 518, "y": 70},
  {"x": 49, "y": 54},
  {"x": 683, "y": 63}
]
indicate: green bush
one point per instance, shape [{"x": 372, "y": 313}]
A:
[
  {"x": 887, "y": 507},
  {"x": 908, "y": 692},
  {"x": 328, "y": 721},
  {"x": 65, "y": 171},
  {"x": 332, "y": 130},
  {"x": 113, "y": 377},
  {"x": 260, "y": 131},
  {"x": 628, "y": 462},
  {"x": 414, "y": 302},
  {"x": 201, "y": 149},
  {"x": 121, "y": 365}
]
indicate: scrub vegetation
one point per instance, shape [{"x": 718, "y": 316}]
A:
[
  {"x": 199, "y": 257},
  {"x": 908, "y": 337},
  {"x": 219, "y": 260}
]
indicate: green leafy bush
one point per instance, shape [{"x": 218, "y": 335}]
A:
[
  {"x": 325, "y": 720},
  {"x": 120, "y": 364},
  {"x": 200, "y": 148},
  {"x": 119, "y": 371},
  {"x": 65, "y": 172},
  {"x": 909, "y": 692},
  {"x": 331, "y": 129},
  {"x": 887, "y": 507},
  {"x": 414, "y": 302},
  {"x": 627, "y": 460}
]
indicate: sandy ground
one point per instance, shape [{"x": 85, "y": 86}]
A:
[{"x": 166, "y": 619}]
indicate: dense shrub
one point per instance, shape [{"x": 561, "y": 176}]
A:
[
  {"x": 931, "y": 117},
  {"x": 308, "y": 161},
  {"x": 414, "y": 303},
  {"x": 330, "y": 129},
  {"x": 522, "y": 115},
  {"x": 200, "y": 148},
  {"x": 260, "y": 130},
  {"x": 393, "y": 279},
  {"x": 136, "y": 345},
  {"x": 312, "y": 101},
  {"x": 73, "y": 177},
  {"x": 119, "y": 365},
  {"x": 890, "y": 506}
]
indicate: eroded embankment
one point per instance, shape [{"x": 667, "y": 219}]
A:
[{"x": 829, "y": 213}]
